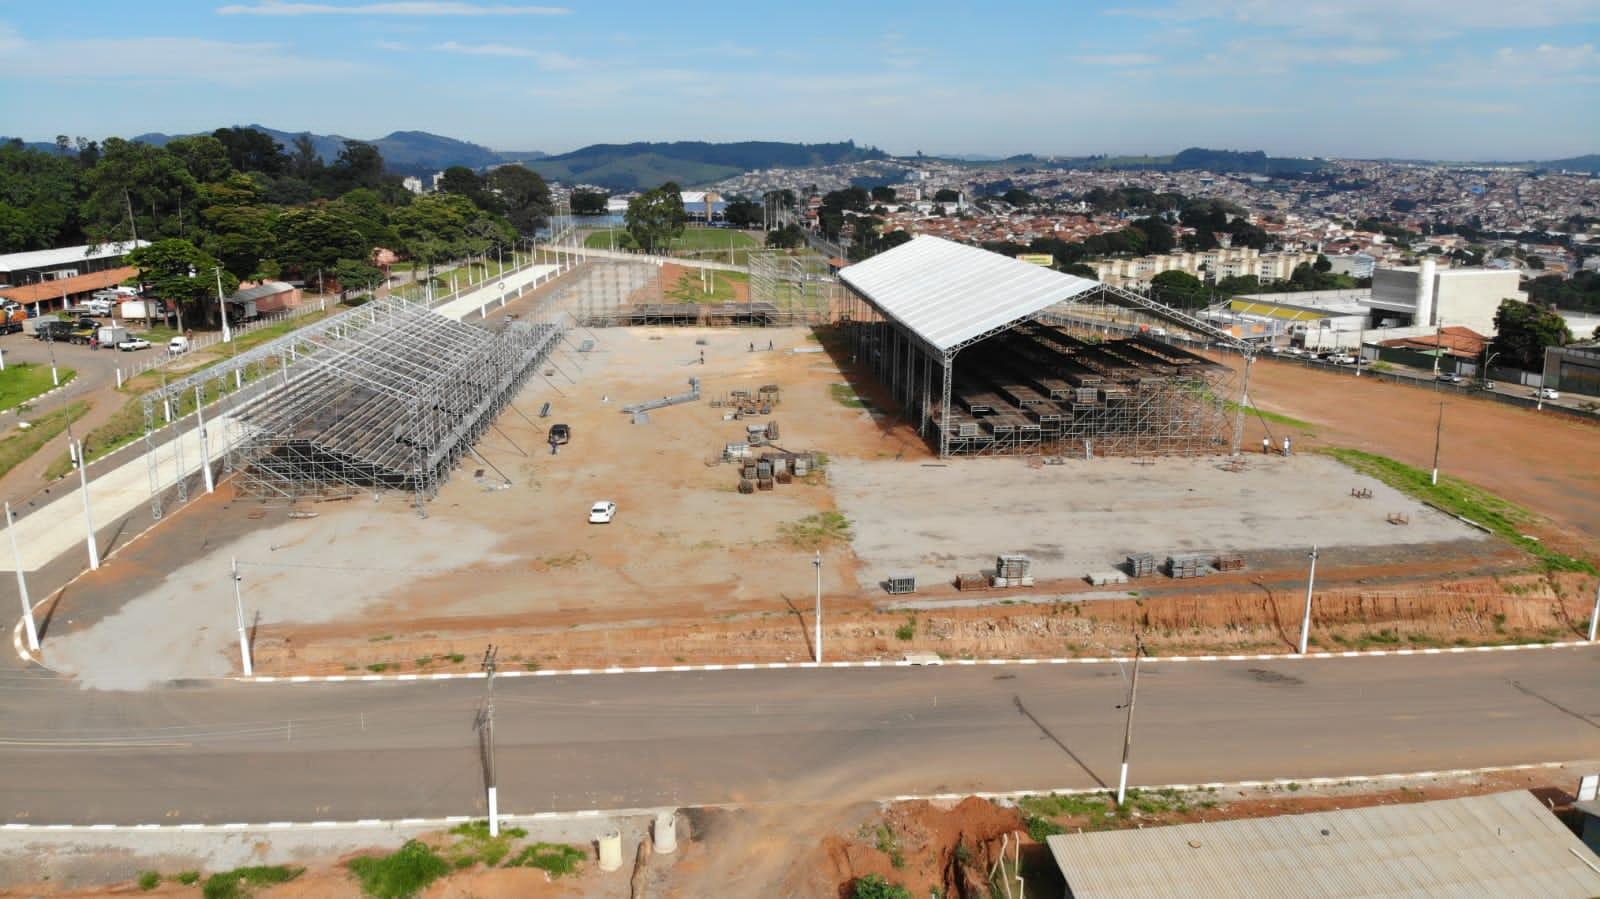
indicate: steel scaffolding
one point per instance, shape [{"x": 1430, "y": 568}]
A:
[
  {"x": 799, "y": 286},
  {"x": 1109, "y": 372},
  {"x": 386, "y": 395}
]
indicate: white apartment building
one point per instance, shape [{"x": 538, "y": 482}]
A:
[{"x": 1211, "y": 265}]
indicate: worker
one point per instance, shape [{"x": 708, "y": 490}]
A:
[
  {"x": 1266, "y": 446},
  {"x": 769, "y": 344},
  {"x": 1286, "y": 446},
  {"x": 702, "y": 357},
  {"x": 752, "y": 346}
]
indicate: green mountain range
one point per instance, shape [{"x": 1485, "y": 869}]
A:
[{"x": 636, "y": 166}]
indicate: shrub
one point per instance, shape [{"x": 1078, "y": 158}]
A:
[
  {"x": 149, "y": 880},
  {"x": 873, "y": 886},
  {"x": 237, "y": 883},
  {"x": 402, "y": 874},
  {"x": 557, "y": 858}
]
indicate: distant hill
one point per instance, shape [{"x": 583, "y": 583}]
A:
[
  {"x": 404, "y": 152},
  {"x": 1588, "y": 163},
  {"x": 637, "y": 166},
  {"x": 1251, "y": 163}
]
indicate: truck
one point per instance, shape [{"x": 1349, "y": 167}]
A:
[
  {"x": 53, "y": 329},
  {"x": 12, "y": 319},
  {"x": 146, "y": 310},
  {"x": 111, "y": 335}
]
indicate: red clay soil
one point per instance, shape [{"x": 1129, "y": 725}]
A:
[{"x": 1543, "y": 462}]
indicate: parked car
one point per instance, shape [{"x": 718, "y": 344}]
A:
[
  {"x": 602, "y": 512},
  {"x": 1342, "y": 359},
  {"x": 1449, "y": 377},
  {"x": 1548, "y": 393},
  {"x": 133, "y": 343},
  {"x": 178, "y": 345},
  {"x": 1488, "y": 385}
]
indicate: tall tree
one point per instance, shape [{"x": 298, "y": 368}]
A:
[
  {"x": 524, "y": 196},
  {"x": 178, "y": 271},
  {"x": 655, "y": 217},
  {"x": 136, "y": 187},
  {"x": 742, "y": 212},
  {"x": 1523, "y": 330},
  {"x": 250, "y": 150},
  {"x": 587, "y": 202},
  {"x": 1178, "y": 289},
  {"x": 315, "y": 237},
  {"x": 205, "y": 158},
  {"x": 359, "y": 165}
]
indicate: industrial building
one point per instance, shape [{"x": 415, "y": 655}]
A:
[
  {"x": 1574, "y": 368},
  {"x": 1503, "y": 844},
  {"x": 49, "y": 280},
  {"x": 389, "y": 395},
  {"x": 1425, "y": 296},
  {"x": 986, "y": 354}
]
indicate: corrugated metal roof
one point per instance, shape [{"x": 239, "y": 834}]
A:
[
  {"x": 18, "y": 262},
  {"x": 264, "y": 289},
  {"x": 949, "y": 293},
  {"x": 1504, "y": 844}
]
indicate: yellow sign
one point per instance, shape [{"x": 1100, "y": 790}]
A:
[{"x": 1044, "y": 259}]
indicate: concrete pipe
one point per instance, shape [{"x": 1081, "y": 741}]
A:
[
  {"x": 666, "y": 832},
  {"x": 611, "y": 850}
]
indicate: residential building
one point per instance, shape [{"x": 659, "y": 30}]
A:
[
  {"x": 1208, "y": 265},
  {"x": 1356, "y": 265}
]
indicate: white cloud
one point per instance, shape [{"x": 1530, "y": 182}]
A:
[
  {"x": 1546, "y": 60},
  {"x": 162, "y": 59},
  {"x": 276, "y": 8},
  {"x": 545, "y": 59},
  {"x": 1362, "y": 19},
  {"x": 1118, "y": 59}
]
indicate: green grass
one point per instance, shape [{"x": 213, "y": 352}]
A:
[
  {"x": 845, "y": 395},
  {"x": 689, "y": 289},
  {"x": 816, "y": 531},
  {"x": 241, "y": 882},
  {"x": 704, "y": 243},
  {"x": 1274, "y": 417},
  {"x": 559, "y": 859},
  {"x": 889, "y": 845},
  {"x": 26, "y": 380},
  {"x": 19, "y": 447},
  {"x": 477, "y": 846},
  {"x": 1458, "y": 497},
  {"x": 149, "y": 880},
  {"x": 907, "y": 631},
  {"x": 1097, "y": 809},
  {"x": 403, "y": 874},
  {"x": 188, "y": 878}
]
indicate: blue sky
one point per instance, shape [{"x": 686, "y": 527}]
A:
[{"x": 1465, "y": 79}]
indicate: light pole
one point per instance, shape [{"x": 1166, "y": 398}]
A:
[
  {"x": 222, "y": 307},
  {"x": 1438, "y": 437},
  {"x": 238, "y": 617},
  {"x": 817, "y": 563},
  {"x": 486, "y": 722},
  {"x": 1127, "y": 731},
  {"x": 1305, "y": 622},
  {"x": 1488, "y": 361},
  {"x": 27, "y": 605},
  {"x": 1544, "y": 378},
  {"x": 75, "y": 447},
  {"x": 1594, "y": 617},
  {"x": 205, "y": 448}
]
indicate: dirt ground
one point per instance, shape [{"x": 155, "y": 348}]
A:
[{"x": 1543, "y": 462}]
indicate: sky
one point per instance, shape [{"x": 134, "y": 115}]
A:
[{"x": 1463, "y": 79}]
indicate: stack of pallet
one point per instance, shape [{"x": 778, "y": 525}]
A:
[
  {"x": 1142, "y": 564},
  {"x": 1013, "y": 571},
  {"x": 901, "y": 584},
  {"x": 1230, "y": 561},
  {"x": 972, "y": 582},
  {"x": 1187, "y": 565}
]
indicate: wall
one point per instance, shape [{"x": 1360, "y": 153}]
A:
[{"x": 1471, "y": 298}]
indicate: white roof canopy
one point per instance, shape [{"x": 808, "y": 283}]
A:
[
  {"x": 950, "y": 294},
  {"x": 17, "y": 262}
]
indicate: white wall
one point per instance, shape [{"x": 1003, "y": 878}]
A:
[{"x": 1470, "y": 298}]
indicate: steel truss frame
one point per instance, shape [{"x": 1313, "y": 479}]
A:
[
  {"x": 386, "y": 395},
  {"x": 1190, "y": 410}
]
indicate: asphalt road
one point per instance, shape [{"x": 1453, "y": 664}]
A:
[{"x": 223, "y": 753}]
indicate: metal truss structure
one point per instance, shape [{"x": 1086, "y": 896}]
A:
[
  {"x": 386, "y": 395},
  {"x": 800, "y": 287},
  {"x": 1109, "y": 372}
]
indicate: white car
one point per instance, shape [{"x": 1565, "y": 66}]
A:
[
  {"x": 1549, "y": 393},
  {"x": 602, "y": 512},
  {"x": 133, "y": 343}
]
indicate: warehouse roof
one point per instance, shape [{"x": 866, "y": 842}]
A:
[
  {"x": 1503, "y": 844},
  {"x": 260, "y": 291},
  {"x": 950, "y": 294},
  {"x": 21, "y": 262}
]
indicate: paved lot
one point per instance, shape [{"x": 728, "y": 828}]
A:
[{"x": 937, "y": 520}]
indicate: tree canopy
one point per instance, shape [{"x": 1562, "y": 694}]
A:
[
  {"x": 1523, "y": 330},
  {"x": 655, "y": 217}
]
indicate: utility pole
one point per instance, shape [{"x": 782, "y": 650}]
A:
[
  {"x": 238, "y": 617},
  {"x": 75, "y": 447},
  {"x": 1127, "y": 732},
  {"x": 486, "y": 725},
  {"x": 1438, "y": 437},
  {"x": 817, "y": 562},
  {"x": 205, "y": 447},
  {"x": 222, "y": 307},
  {"x": 1594, "y": 617},
  {"x": 27, "y": 604},
  {"x": 1305, "y": 622}
]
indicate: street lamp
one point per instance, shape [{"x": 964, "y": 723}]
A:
[
  {"x": 817, "y": 563},
  {"x": 1486, "y": 363}
]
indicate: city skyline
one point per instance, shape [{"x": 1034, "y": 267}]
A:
[{"x": 1358, "y": 79}]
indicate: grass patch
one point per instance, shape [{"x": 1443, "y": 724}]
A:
[
  {"x": 26, "y": 380},
  {"x": 149, "y": 880},
  {"x": 907, "y": 631},
  {"x": 690, "y": 290},
  {"x": 1458, "y": 497},
  {"x": 889, "y": 845},
  {"x": 874, "y": 886},
  {"x": 813, "y": 532},
  {"x": 18, "y": 447},
  {"x": 241, "y": 882},
  {"x": 476, "y": 845},
  {"x": 1276, "y": 418},
  {"x": 188, "y": 878},
  {"x": 404, "y": 873},
  {"x": 559, "y": 859},
  {"x": 845, "y": 395},
  {"x": 378, "y": 667}
]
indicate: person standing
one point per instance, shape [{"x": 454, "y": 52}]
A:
[
  {"x": 1266, "y": 446},
  {"x": 1286, "y": 446}
]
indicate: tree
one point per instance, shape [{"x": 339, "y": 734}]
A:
[
  {"x": 946, "y": 195},
  {"x": 241, "y": 236},
  {"x": 177, "y": 270},
  {"x": 250, "y": 150},
  {"x": 305, "y": 162},
  {"x": 787, "y": 237},
  {"x": 883, "y": 194},
  {"x": 588, "y": 202},
  {"x": 136, "y": 187},
  {"x": 1158, "y": 235},
  {"x": 524, "y": 196},
  {"x": 1523, "y": 330},
  {"x": 1178, "y": 289},
  {"x": 39, "y": 198},
  {"x": 354, "y": 274},
  {"x": 359, "y": 165},
  {"x": 203, "y": 156},
  {"x": 1016, "y": 196},
  {"x": 742, "y": 212},
  {"x": 1082, "y": 271},
  {"x": 655, "y": 217},
  {"x": 435, "y": 228},
  {"x": 315, "y": 237}
]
